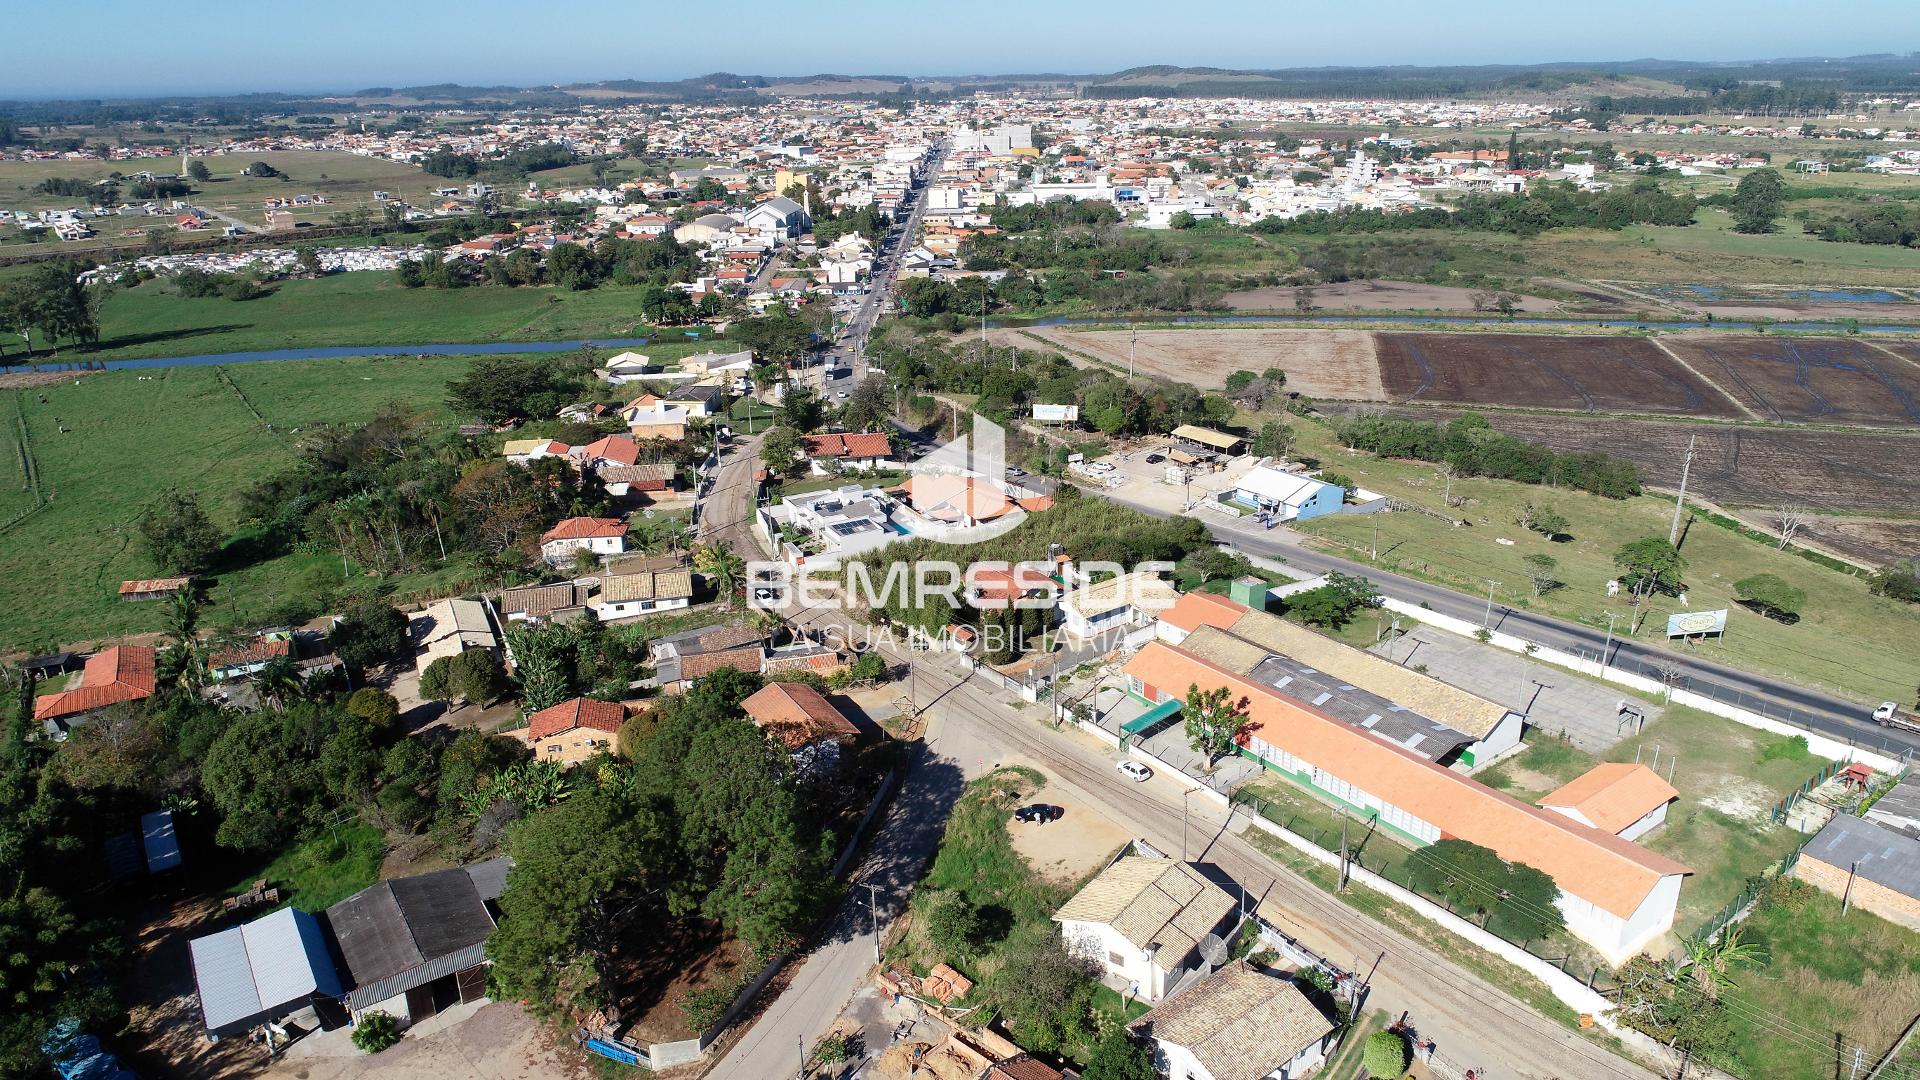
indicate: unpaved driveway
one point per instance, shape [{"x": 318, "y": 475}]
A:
[{"x": 498, "y": 1042}]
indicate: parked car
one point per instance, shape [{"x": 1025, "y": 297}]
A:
[
  {"x": 1016, "y": 473},
  {"x": 1155, "y": 459},
  {"x": 1134, "y": 771},
  {"x": 1099, "y": 466},
  {"x": 1038, "y": 814}
]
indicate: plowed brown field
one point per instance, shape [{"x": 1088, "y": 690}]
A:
[
  {"x": 1824, "y": 380},
  {"x": 1584, "y": 374}
]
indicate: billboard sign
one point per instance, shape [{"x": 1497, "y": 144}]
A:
[
  {"x": 1690, "y": 623},
  {"x": 1056, "y": 414}
]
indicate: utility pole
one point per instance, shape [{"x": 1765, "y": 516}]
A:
[
  {"x": 1686, "y": 467},
  {"x": 1487, "y": 619},
  {"x": 1183, "y": 823},
  {"x": 1607, "y": 649},
  {"x": 1846, "y": 898},
  {"x": 1376, "y": 536},
  {"x": 873, "y": 916},
  {"x": 1133, "y": 348},
  {"x": 1343, "y": 853}
]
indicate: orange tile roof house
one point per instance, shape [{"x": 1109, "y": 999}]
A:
[
  {"x": 602, "y": 536},
  {"x": 1625, "y": 799},
  {"x": 1616, "y": 895},
  {"x": 859, "y": 451},
  {"x": 801, "y": 719},
  {"x": 111, "y": 676},
  {"x": 573, "y": 731}
]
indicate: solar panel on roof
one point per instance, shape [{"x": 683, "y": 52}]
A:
[
  {"x": 1370, "y": 720},
  {"x": 1283, "y": 681},
  {"x": 1322, "y": 699}
]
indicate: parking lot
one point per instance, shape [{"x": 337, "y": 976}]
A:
[
  {"x": 1136, "y": 480},
  {"x": 1586, "y": 711},
  {"x": 1068, "y": 849}
]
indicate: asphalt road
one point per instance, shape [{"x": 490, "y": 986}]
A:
[
  {"x": 971, "y": 728},
  {"x": 1829, "y": 715}
]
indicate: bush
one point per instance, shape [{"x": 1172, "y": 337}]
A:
[
  {"x": 375, "y": 1032},
  {"x": 1386, "y": 1055},
  {"x": 375, "y": 706},
  {"x": 1772, "y": 596},
  {"x": 370, "y": 633}
]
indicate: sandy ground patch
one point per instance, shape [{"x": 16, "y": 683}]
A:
[
  {"x": 25, "y": 380},
  {"x": 1374, "y": 296},
  {"x": 1744, "y": 800},
  {"x": 1336, "y": 364},
  {"x": 1069, "y": 849},
  {"x": 499, "y": 1042}
]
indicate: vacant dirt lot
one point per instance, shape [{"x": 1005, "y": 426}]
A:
[
  {"x": 1585, "y": 374},
  {"x": 1826, "y": 380},
  {"x": 1337, "y": 365},
  {"x": 499, "y": 1042},
  {"x": 1069, "y": 849},
  {"x": 1374, "y": 296}
]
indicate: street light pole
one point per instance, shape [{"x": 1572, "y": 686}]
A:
[{"x": 873, "y": 916}]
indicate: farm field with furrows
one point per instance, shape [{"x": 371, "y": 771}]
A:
[
  {"x": 1587, "y": 374},
  {"x": 1816, "y": 380}
]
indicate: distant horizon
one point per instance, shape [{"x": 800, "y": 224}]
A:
[
  {"x": 332, "y": 91},
  {"x": 489, "y": 43}
]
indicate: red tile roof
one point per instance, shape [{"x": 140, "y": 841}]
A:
[
  {"x": 1197, "y": 609},
  {"x": 618, "y": 449},
  {"x": 154, "y": 585},
  {"x": 585, "y": 528},
  {"x": 579, "y": 713},
  {"x": 700, "y": 665},
  {"x": 869, "y": 444},
  {"x": 797, "y": 714},
  {"x": 257, "y": 651},
  {"x": 122, "y": 673}
]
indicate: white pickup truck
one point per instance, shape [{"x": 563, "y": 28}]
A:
[{"x": 1889, "y": 715}]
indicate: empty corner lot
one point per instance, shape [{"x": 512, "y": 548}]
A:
[
  {"x": 1070, "y": 849},
  {"x": 1335, "y": 364}
]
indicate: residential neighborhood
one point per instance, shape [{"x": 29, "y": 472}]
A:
[{"x": 1397, "y": 565}]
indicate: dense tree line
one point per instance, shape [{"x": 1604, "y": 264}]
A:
[
  {"x": 50, "y": 300},
  {"x": 1789, "y": 99},
  {"x": 1471, "y": 445},
  {"x": 1556, "y": 205},
  {"x": 1875, "y": 223}
]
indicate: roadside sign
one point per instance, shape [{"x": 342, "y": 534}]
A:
[{"x": 1690, "y": 623}]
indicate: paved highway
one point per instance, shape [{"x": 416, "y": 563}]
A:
[{"x": 1835, "y": 717}]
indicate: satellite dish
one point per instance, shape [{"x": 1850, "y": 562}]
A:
[{"x": 1213, "y": 950}]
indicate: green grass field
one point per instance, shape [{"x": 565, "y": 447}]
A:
[
  {"x": 347, "y": 181},
  {"x": 1846, "y": 641},
  {"x": 1857, "y": 974},
  {"x": 325, "y": 870},
  {"x": 133, "y": 435},
  {"x": 361, "y": 308},
  {"x": 1710, "y": 252},
  {"x": 1728, "y": 776}
]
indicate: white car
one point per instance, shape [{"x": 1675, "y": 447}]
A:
[
  {"x": 1134, "y": 771},
  {"x": 1098, "y": 466},
  {"x": 1887, "y": 711}
]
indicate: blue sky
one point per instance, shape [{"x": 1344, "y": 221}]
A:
[{"x": 126, "y": 47}]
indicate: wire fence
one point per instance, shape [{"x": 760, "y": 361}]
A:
[
  {"x": 1785, "y": 806},
  {"x": 1749, "y": 893},
  {"x": 1589, "y": 970}
]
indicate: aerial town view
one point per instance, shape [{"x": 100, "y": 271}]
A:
[{"x": 1035, "y": 541}]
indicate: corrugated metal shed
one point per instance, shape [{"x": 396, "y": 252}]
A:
[{"x": 270, "y": 965}]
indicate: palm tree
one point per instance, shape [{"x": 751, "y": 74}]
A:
[
  {"x": 727, "y": 570},
  {"x": 279, "y": 681},
  {"x": 1709, "y": 962}
]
